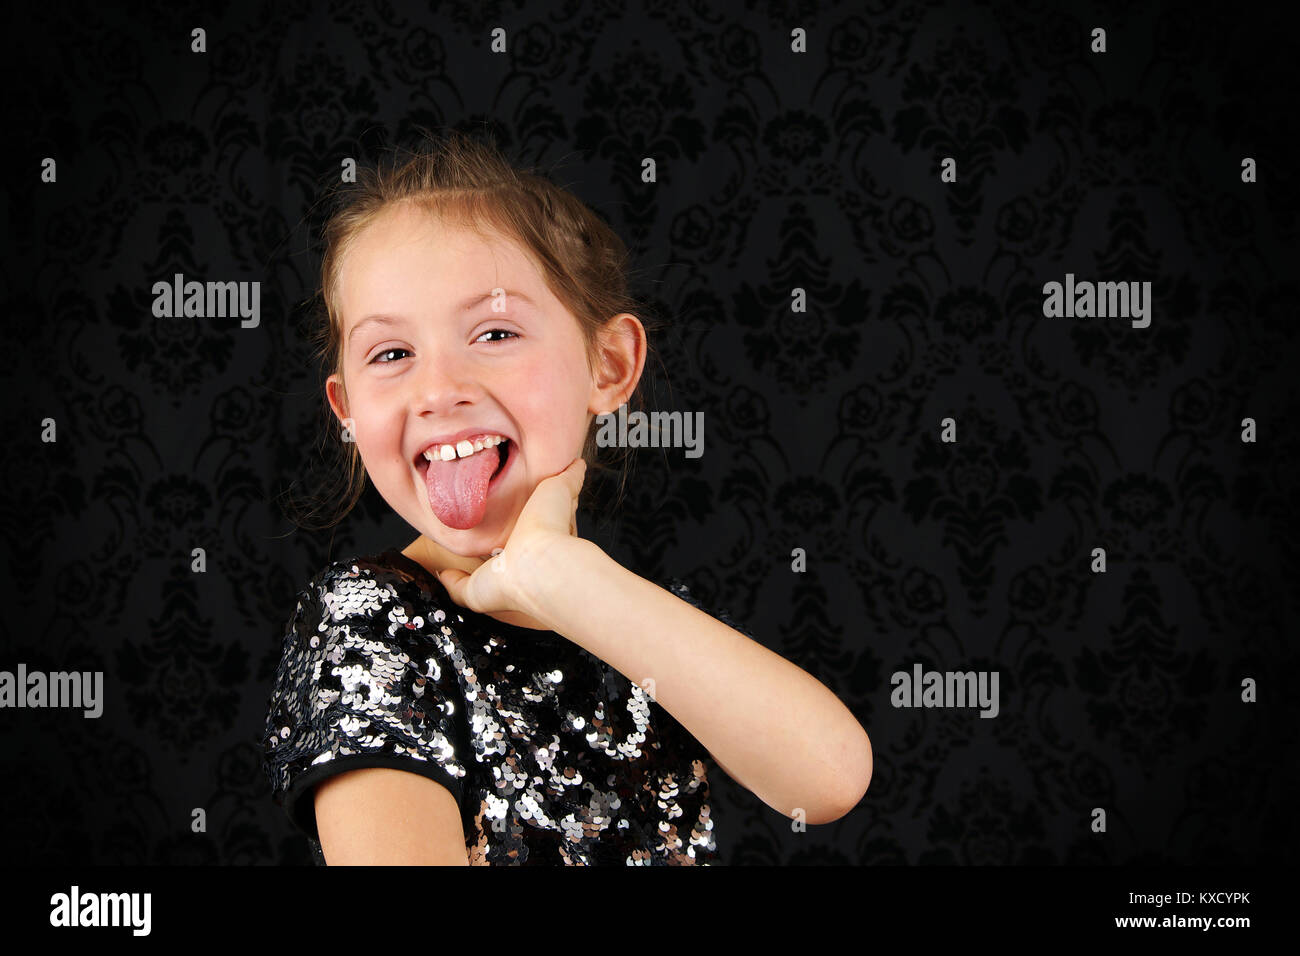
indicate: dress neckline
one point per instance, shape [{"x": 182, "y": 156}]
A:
[{"x": 411, "y": 564}]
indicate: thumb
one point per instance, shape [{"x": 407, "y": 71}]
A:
[
  {"x": 452, "y": 579},
  {"x": 576, "y": 474}
]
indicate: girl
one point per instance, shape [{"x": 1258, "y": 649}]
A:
[{"x": 501, "y": 690}]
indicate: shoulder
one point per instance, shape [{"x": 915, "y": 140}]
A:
[
  {"x": 363, "y": 641},
  {"x": 357, "y": 588},
  {"x": 362, "y": 611},
  {"x": 373, "y": 589},
  {"x": 369, "y": 675}
]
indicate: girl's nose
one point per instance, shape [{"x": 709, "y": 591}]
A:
[{"x": 442, "y": 383}]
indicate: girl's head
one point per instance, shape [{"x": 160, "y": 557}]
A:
[{"x": 464, "y": 295}]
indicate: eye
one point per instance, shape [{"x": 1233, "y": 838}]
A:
[
  {"x": 375, "y": 360},
  {"x": 378, "y": 356}
]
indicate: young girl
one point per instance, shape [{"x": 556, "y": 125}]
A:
[{"x": 501, "y": 691}]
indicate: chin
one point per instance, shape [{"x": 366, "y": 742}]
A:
[{"x": 476, "y": 542}]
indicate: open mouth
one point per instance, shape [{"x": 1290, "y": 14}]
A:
[
  {"x": 503, "y": 450},
  {"x": 504, "y": 453}
]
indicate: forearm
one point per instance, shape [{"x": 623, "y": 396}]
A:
[{"x": 778, "y": 730}]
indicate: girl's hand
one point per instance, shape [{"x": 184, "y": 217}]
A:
[{"x": 504, "y": 582}]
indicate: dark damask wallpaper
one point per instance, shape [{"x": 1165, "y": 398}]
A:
[{"x": 819, "y": 170}]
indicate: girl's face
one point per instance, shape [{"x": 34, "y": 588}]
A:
[{"x": 429, "y": 369}]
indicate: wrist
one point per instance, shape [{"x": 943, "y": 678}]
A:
[{"x": 554, "y": 574}]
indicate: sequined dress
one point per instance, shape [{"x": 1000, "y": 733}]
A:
[{"x": 553, "y": 756}]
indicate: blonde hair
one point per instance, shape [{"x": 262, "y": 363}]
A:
[{"x": 582, "y": 260}]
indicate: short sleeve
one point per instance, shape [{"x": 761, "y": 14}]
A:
[{"x": 363, "y": 681}]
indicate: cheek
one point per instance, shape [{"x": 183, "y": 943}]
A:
[
  {"x": 551, "y": 407},
  {"x": 377, "y": 435}
]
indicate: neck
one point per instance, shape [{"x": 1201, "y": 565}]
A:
[{"x": 437, "y": 558}]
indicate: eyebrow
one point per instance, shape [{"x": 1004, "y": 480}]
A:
[{"x": 465, "y": 306}]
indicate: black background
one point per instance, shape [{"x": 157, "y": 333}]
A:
[{"x": 776, "y": 170}]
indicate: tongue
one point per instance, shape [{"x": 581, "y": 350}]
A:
[{"x": 458, "y": 488}]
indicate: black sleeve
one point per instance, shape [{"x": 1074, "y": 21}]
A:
[{"x": 360, "y": 684}]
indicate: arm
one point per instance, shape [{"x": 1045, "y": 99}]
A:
[
  {"x": 789, "y": 739},
  {"x": 388, "y": 817}
]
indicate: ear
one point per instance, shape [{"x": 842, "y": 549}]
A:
[
  {"x": 619, "y": 361},
  {"x": 338, "y": 396}
]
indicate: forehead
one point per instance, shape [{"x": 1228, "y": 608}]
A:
[{"x": 408, "y": 253}]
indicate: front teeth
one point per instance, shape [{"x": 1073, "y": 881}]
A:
[{"x": 462, "y": 449}]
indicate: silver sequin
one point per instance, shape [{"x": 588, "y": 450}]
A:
[{"x": 554, "y": 756}]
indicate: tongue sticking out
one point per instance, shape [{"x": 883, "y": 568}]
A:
[{"x": 458, "y": 488}]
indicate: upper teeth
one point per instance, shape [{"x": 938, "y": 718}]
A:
[{"x": 462, "y": 449}]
